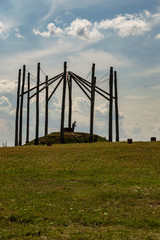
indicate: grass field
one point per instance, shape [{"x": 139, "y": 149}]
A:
[{"x": 80, "y": 191}]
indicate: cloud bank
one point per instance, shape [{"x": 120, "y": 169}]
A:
[{"x": 124, "y": 25}]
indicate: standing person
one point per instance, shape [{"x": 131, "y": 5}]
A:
[{"x": 74, "y": 125}]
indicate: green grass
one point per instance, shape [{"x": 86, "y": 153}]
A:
[{"x": 81, "y": 191}]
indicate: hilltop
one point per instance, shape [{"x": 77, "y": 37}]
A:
[{"x": 70, "y": 137}]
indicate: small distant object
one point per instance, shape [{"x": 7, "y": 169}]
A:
[
  {"x": 153, "y": 139},
  {"x": 74, "y": 125},
  {"x": 130, "y": 141}
]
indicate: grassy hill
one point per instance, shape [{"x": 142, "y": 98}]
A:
[
  {"x": 70, "y": 137},
  {"x": 107, "y": 191}
]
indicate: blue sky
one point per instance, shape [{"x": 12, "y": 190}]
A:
[{"x": 123, "y": 34}]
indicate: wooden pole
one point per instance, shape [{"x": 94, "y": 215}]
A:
[
  {"x": 37, "y": 106},
  {"x": 21, "y": 106},
  {"x": 70, "y": 101},
  {"x": 110, "y": 103},
  {"x": 17, "y": 108},
  {"x": 46, "y": 108},
  {"x": 116, "y": 107},
  {"x": 63, "y": 103},
  {"x": 93, "y": 83},
  {"x": 28, "y": 109}
]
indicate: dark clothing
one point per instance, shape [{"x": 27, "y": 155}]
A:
[{"x": 74, "y": 125}]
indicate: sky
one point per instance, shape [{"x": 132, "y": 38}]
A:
[{"x": 122, "y": 34}]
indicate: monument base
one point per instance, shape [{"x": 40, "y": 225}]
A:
[{"x": 68, "y": 130}]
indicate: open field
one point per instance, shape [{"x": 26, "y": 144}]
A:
[{"x": 80, "y": 191}]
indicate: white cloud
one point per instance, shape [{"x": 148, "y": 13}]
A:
[
  {"x": 135, "y": 128},
  {"x": 5, "y": 104},
  {"x": 4, "y": 129},
  {"x": 152, "y": 19},
  {"x": 1, "y": 27},
  {"x": 157, "y": 130},
  {"x": 101, "y": 111},
  {"x": 121, "y": 115},
  {"x": 84, "y": 29},
  {"x": 18, "y": 34},
  {"x": 131, "y": 24},
  {"x": 79, "y": 28},
  {"x": 7, "y": 86},
  {"x": 158, "y": 36},
  {"x": 81, "y": 105},
  {"x": 3, "y": 31},
  {"x": 52, "y": 31},
  {"x": 126, "y": 25},
  {"x": 131, "y": 130}
]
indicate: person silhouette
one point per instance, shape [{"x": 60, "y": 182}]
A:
[{"x": 74, "y": 125}]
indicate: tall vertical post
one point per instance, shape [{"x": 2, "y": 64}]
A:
[
  {"x": 37, "y": 106},
  {"x": 116, "y": 106},
  {"x": 28, "y": 109},
  {"x": 46, "y": 108},
  {"x": 93, "y": 83},
  {"x": 63, "y": 103},
  {"x": 21, "y": 106},
  {"x": 70, "y": 101},
  {"x": 110, "y": 103},
  {"x": 17, "y": 108}
]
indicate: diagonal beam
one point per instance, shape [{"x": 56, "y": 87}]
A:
[
  {"x": 81, "y": 82},
  {"x": 55, "y": 89},
  {"x": 102, "y": 94},
  {"x": 81, "y": 87},
  {"x": 89, "y": 85},
  {"x": 80, "y": 78},
  {"x": 44, "y": 87},
  {"x": 51, "y": 79}
]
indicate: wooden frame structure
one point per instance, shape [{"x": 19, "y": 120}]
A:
[{"x": 67, "y": 77}]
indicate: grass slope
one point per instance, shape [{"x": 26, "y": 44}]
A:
[
  {"x": 80, "y": 191},
  {"x": 70, "y": 137}
]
